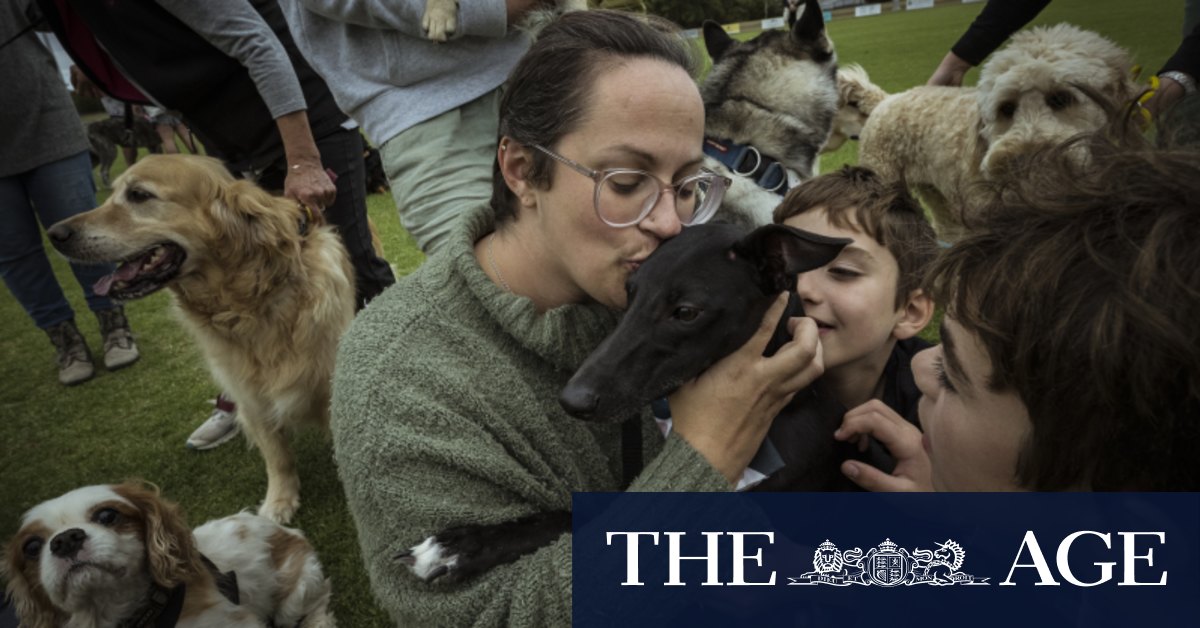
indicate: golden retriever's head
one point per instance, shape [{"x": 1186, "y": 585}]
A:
[{"x": 171, "y": 216}]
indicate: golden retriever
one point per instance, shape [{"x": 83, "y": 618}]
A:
[{"x": 264, "y": 287}]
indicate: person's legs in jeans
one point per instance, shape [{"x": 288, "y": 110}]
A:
[
  {"x": 442, "y": 167},
  {"x": 54, "y": 192}
]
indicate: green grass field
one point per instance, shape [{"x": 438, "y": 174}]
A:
[{"x": 133, "y": 423}]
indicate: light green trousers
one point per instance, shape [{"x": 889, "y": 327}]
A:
[{"x": 441, "y": 167}]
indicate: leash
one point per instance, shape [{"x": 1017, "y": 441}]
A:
[
  {"x": 746, "y": 161},
  {"x": 21, "y": 32},
  {"x": 631, "y": 450}
]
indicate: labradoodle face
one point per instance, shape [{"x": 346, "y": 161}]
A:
[{"x": 1049, "y": 84}]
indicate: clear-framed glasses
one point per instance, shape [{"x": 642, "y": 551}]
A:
[{"x": 624, "y": 196}]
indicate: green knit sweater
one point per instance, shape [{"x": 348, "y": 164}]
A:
[{"x": 445, "y": 412}]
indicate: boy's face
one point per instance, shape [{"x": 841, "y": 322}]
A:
[
  {"x": 973, "y": 434},
  {"x": 852, "y": 299}
]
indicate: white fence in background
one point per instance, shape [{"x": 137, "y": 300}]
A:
[
  {"x": 918, "y": 4},
  {"x": 868, "y": 9}
]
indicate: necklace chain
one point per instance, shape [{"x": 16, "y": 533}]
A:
[{"x": 492, "y": 262}]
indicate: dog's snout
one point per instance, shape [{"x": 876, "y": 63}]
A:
[
  {"x": 60, "y": 232},
  {"x": 67, "y": 544},
  {"x": 579, "y": 401}
]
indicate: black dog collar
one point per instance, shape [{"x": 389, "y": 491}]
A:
[
  {"x": 161, "y": 609},
  {"x": 163, "y": 606}
]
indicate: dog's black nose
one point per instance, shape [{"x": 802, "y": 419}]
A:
[
  {"x": 578, "y": 401},
  {"x": 59, "y": 232},
  {"x": 66, "y": 544}
]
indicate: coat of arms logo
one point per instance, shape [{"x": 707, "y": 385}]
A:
[{"x": 888, "y": 565}]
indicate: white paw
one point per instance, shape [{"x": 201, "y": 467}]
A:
[{"x": 429, "y": 559}]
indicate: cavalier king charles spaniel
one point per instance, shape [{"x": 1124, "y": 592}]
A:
[{"x": 121, "y": 556}]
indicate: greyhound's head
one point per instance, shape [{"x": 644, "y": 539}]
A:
[{"x": 700, "y": 296}]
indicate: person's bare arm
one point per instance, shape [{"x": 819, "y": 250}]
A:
[{"x": 306, "y": 180}]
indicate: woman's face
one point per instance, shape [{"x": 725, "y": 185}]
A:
[
  {"x": 644, "y": 114},
  {"x": 973, "y": 434}
]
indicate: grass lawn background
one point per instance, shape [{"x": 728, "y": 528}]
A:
[{"x": 133, "y": 423}]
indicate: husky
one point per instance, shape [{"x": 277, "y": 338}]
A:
[{"x": 769, "y": 105}]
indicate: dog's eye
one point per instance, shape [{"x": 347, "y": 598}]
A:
[
  {"x": 1007, "y": 109},
  {"x": 1059, "y": 100},
  {"x": 685, "y": 313},
  {"x": 853, "y": 103},
  {"x": 105, "y": 516},
  {"x": 137, "y": 195},
  {"x": 32, "y": 547}
]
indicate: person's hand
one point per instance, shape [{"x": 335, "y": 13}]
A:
[
  {"x": 1168, "y": 93},
  {"x": 874, "y": 418},
  {"x": 950, "y": 71},
  {"x": 82, "y": 84},
  {"x": 308, "y": 184},
  {"x": 726, "y": 411}
]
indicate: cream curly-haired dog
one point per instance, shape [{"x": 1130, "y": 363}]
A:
[
  {"x": 1048, "y": 84},
  {"x": 857, "y": 98}
]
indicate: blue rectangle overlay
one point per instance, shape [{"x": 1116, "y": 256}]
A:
[{"x": 864, "y": 559}]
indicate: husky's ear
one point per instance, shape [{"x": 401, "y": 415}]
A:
[
  {"x": 810, "y": 28},
  {"x": 716, "y": 40},
  {"x": 780, "y": 252}
]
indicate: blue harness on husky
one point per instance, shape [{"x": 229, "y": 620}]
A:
[{"x": 746, "y": 161}]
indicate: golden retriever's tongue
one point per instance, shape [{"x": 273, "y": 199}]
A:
[{"x": 127, "y": 271}]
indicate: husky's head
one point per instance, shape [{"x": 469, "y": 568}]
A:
[{"x": 777, "y": 91}]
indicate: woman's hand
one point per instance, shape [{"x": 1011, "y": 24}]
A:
[
  {"x": 307, "y": 183},
  {"x": 950, "y": 71},
  {"x": 903, "y": 440},
  {"x": 726, "y": 411}
]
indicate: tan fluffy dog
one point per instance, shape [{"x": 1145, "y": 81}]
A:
[
  {"x": 857, "y": 98},
  {"x": 1048, "y": 84},
  {"x": 262, "y": 285}
]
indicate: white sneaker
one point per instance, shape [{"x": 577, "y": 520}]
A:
[{"x": 220, "y": 427}]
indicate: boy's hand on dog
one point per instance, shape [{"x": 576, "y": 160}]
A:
[
  {"x": 726, "y": 411},
  {"x": 903, "y": 440},
  {"x": 309, "y": 185}
]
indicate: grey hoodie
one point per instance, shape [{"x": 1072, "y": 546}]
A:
[{"x": 382, "y": 70}]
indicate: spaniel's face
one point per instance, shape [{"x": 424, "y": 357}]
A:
[{"x": 83, "y": 550}]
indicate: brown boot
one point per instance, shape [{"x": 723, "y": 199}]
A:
[
  {"x": 119, "y": 348},
  {"x": 74, "y": 359}
]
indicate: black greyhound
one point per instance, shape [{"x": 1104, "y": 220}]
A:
[{"x": 698, "y": 298}]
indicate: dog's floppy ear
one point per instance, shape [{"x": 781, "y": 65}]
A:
[
  {"x": 29, "y": 598},
  {"x": 780, "y": 252},
  {"x": 716, "y": 40},
  {"x": 170, "y": 548}
]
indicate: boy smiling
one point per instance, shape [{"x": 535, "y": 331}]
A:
[{"x": 867, "y": 303}]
